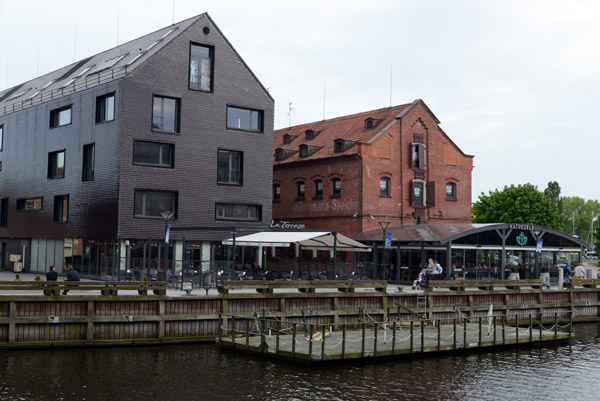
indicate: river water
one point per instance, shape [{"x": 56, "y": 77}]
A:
[{"x": 566, "y": 371}]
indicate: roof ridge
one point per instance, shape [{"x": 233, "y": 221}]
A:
[{"x": 346, "y": 116}]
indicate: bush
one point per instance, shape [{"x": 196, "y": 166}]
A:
[{"x": 37, "y": 277}]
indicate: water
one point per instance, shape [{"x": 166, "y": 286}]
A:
[{"x": 203, "y": 372}]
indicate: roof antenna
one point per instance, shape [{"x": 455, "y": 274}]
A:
[
  {"x": 74, "y": 46},
  {"x": 324, "y": 100},
  {"x": 391, "y": 65},
  {"x": 6, "y": 72},
  {"x": 37, "y": 73},
  {"x": 118, "y": 9},
  {"x": 173, "y": 21},
  {"x": 290, "y": 108}
]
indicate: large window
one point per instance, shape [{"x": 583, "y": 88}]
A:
[
  {"x": 244, "y": 119},
  {"x": 1, "y": 136},
  {"x": 4, "y": 212},
  {"x": 451, "y": 191},
  {"x": 105, "y": 108},
  {"x": 237, "y": 212},
  {"x": 201, "y": 66},
  {"x": 150, "y": 204},
  {"x": 87, "y": 173},
  {"x": 61, "y": 208},
  {"x": 60, "y": 117},
  {"x": 336, "y": 187},
  {"x": 229, "y": 167},
  {"x": 56, "y": 164},
  {"x": 30, "y": 204},
  {"x": 418, "y": 193},
  {"x": 165, "y": 114},
  {"x": 417, "y": 159},
  {"x": 153, "y": 154},
  {"x": 318, "y": 189},
  {"x": 300, "y": 189},
  {"x": 384, "y": 186}
]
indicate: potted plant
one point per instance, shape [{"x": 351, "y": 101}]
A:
[
  {"x": 545, "y": 275},
  {"x": 37, "y": 277},
  {"x": 17, "y": 277},
  {"x": 514, "y": 272}
]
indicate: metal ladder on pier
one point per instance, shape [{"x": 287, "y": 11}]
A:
[{"x": 422, "y": 306}]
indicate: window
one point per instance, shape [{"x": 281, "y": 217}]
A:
[
  {"x": 318, "y": 189},
  {"x": 384, "y": 186},
  {"x": 303, "y": 150},
  {"x": 150, "y": 204},
  {"x": 60, "y": 117},
  {"x": 338, "y": 146},
  {"x": 56, "y": 164},
  {"x": 300, "y": 190},
  {"x": 451, "y": 191},
  {"x": 87, "y": 173},
  {"x": 105, "y": 108},
  {"x": 30, "y": 204},
  {"x": 61, "y": 208},
  {"x": 229, "y": 167},
  {"x": 417, "y": 156},
  {"x": 279, "y": 154},
  {"x": 336, "y": 185},
  {"x": 372, "y": 123},
  {"x": 201, "y": 66},
  {"x": 287, "y": 138},
  {"x": 237, "y": 212},
  {"x": 244, "y": 119},
  {"x": 418, "y": 193},
  {"x": 4, "y": 212},
  {"x": 310, "y": 134},
  {"x": 165, "y": 114},
  {"x": 153, "y": 154},
  {"x": 276, "y": 192},
  {"x": 1, "y": 137}
]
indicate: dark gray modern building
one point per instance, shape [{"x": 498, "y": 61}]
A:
[{"x": 92, "y": 153}]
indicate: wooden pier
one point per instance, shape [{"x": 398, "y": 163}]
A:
[
  {"x": 114, "y": 313},
  {"x": 370, "y": 339}
]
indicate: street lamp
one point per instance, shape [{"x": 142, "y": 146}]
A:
[
  {"x": 167, "y": 215},
  {"x": 384, "y": 225}
]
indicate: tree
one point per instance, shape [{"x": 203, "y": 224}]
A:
[
  {"x": 552, "y": 192},
  {"x": 577, "y": 215},
  {"x": 520, "y": 204}
]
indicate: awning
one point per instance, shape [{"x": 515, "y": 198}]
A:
[{"x": 315, "y": 240}]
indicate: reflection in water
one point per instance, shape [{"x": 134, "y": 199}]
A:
[{"x": 203, "y": 372}]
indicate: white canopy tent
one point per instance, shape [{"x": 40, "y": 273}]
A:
[{"x": 315, "y": 240}]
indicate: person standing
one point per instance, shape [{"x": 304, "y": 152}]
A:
[
  {"x": 579, "y": 271},
  {"x": 72, "y": 275},
  {"x": 51, "y": 274},
  {"x": 568, "y": 272}
]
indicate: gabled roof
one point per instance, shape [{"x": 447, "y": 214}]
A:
[
  {"x": 104, "y": 67},
  {"x": 350, "y": 128}
]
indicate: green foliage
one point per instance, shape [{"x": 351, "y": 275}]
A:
[
  {"x": 37, "y": 277},
  {"x": 17, "y": 276},
  {"x": 520, "y": 204},
  {"x": 577, "y": 215},
  {"x": 552, "y": 192}
]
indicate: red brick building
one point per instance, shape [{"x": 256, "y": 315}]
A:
[{"x": 350, "y": 173}]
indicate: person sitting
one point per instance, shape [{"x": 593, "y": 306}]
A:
[
  {"x": 437, "y": 275},
  {"x": 51, "y": 274},
  {"x": 421, "y": 279},
  {"x": 72, "y": 275},
  {"x": 579, "y": 272}
]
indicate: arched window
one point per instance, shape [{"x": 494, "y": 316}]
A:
[
  {"x": 336, "y": 185},
  {"x": 384, "y": 186},
  {"x": 318, "y": 189},
  {"x": 451, "y": 191},
  {"x": 276, "y": 192},
  {"x": 300, "y": 190}
]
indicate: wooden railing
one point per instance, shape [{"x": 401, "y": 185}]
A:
[
  {"x": 461, "y": 285},
  {"x": 55, "y": 288},
  {"x": 308, "y": 286},
  {"x": 583, "y": 282}
]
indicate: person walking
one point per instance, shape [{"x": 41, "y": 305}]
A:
[
  {"x": 72, "y": 275},
  {"x": 51, "y": 274},
  {"x": 568, "y": 272}
]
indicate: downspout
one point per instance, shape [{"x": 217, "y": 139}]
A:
[{"x": 401, "y": 185}]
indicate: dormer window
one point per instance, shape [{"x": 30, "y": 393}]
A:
[
  {"x": 310, "y": 134},
  {"x": 303, "y": 151},
  {"x": 338, "y": 146},
  {"x": 278, "y": 154},
  {"x": 287, "y": 138},
  {"x": 372, "y": 122}
]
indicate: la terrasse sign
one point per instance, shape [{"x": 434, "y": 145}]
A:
[{"x": 286, "y": 225}]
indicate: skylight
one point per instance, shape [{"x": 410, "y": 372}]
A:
[
  {"x": 18, "y": 94},
  {"x": 108, "y": 64},
  {"x": 32, "y": 96},
  {"x": 168, "y": 33},
  {"x": 152, "y": 45},
  {"x": 48, "y": 84},
  {"x": 86, "y": 69},
  {"x": 134, "y": 59},
  {"x": 69, "y": 83}
]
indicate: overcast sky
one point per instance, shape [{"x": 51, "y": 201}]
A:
[{"x": 514, "y": 83}]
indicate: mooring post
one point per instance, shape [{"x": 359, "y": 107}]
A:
[
  {"x": 247, "y": 333},
  {"x": 541, "y": 327},
  {"x": 479, "y": 331},
  {"x": 394, "y": 338},
  {"x": 570, "y": 323},
  {"x": 422, "y": 336},
  {"x": 411, "y": 336},
  {"x": 517, "y": 328},
  {"x": 323, "y": 343},
  {"x": 494, "y": 330},
  {"x": 555, "y": 325},
  {"x": 220, "y": 323},
  {"x": 232, "y": 331},
  {"x": 439, "y": 327},
  {"x": 363, "y": 339},
  {"x": 375, "y": 341},
  {"x": 454, "y": 325},
  {"x": 465, "y": 333},
  {"x": 530, "y": 328},
  {"x": 293, "y": 339},
  {"x": 310, "y": 340},
  {"x": 503, "y": 331},
  {"x": 277, "y": 337},
  {"x": 344, "y": 341}
]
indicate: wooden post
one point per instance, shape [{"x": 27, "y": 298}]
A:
[
  {"x": 293, "y": 339},
  {"x": 530, "y": 328},
  {"x": 344, "y": 341},
  {"x": 375, "y": 341},
  {"x": 517, "y": 328},
  {"x": 323, "y": 343},
  {"x": 310, "y": 339},
  {"x": 247, "y": 333},
  {"x": 439, "y": 326},
  {"x": 454, "y": 325},
  {"x": 422, "y": 336},
  {"x": 394, "y": 337},
  {"x": 480, "y": 331},
  {"x": 541, "y": 320},
  {"x": 363, "y": 339},
  {"x": 503, "y": 331},
  {"x": 220, "y": 328},
  {"x": 555, "y": 325},
  {"x": 277, "y": 338},
  {"x": 411, "y": 335}
]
